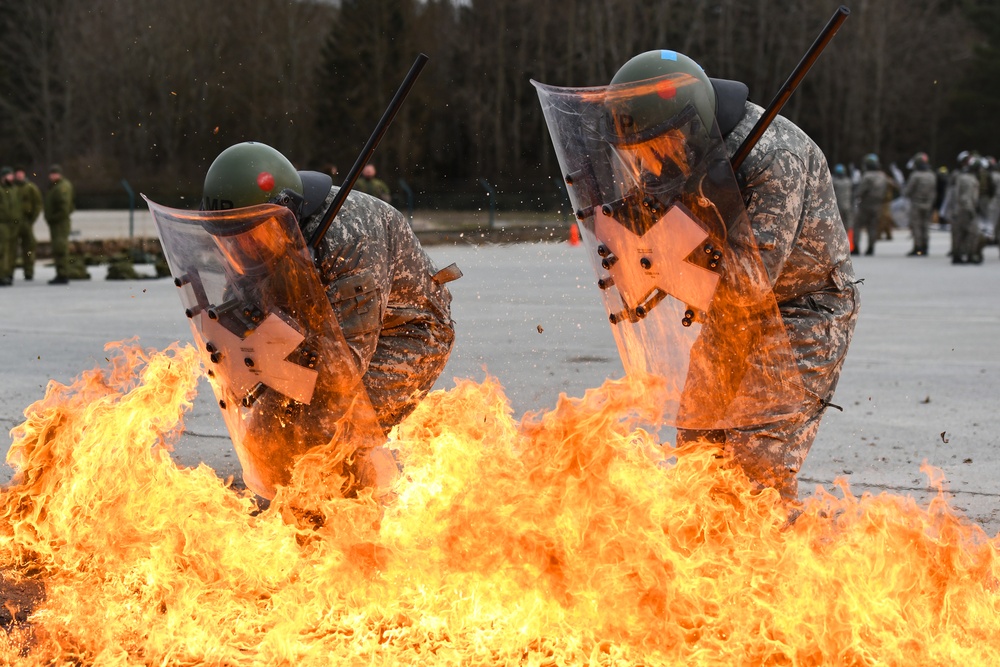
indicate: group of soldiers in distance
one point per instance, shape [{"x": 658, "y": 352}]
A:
[
  {"x": 21, "y": 203},
  {"x": 966, "y": 201}
]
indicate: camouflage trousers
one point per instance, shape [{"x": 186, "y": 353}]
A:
[
  {"x": 820, "y": 327},
  {"x": 964, "y": 237},
  {"x": 59, "y": 233},
  {"x": 867, "y": 221},
  {"x": 920, "y": 224},
  {"x": 22, "y": 238},
  {"x": 770, "y": 455},
  {"x": 6, "y": 259}
]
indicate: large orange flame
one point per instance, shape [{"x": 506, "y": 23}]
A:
[{"x": 569, "y": 537}]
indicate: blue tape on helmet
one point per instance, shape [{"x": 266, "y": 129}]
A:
[{"x": 668, "y": 55}]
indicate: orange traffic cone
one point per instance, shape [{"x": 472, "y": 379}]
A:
[
  {"x": 574, "y": 234},
  {"x": 850, "y": 239}
]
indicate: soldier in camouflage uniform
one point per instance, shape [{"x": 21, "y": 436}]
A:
[
  {"x": 843, "y": 188},
  {"x": 30, "y": 198},
  {"x": 920, "y": 189},
  {"x": 962, "y": 213},
  {"x": 8, "y": 216},
  {"x": 795, "y": 218},
  {"x": 376, "y": 187},
  {"x": 794, "y": 214},
  {"x": 58, "y": 207},
  {"x": 391, "y": 302},
  {"x": 993, "y": 210},
  {"x": 872, "y": 191}
]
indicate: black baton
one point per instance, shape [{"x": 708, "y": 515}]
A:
[
  {"x": 790, "y": 85},
  {"x": 366, "y": 152}
]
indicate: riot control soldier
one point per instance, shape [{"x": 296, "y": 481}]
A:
[
  {"x": 965, "y": 242},
  {"x": 920, "y": 189},
  {"x": 872, "y": 198},
  {"x": 843, "y": 187},
  {"x": 304, "y": 349},
  {"x": 763, "y": 328}
]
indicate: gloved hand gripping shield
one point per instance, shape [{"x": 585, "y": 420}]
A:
[
  {"x": 277, "y": 360},
  {"x": 680, "y": 274}
]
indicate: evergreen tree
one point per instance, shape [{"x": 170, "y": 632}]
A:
[
  {"x": 363, "y": 61},
  {"x": 976, "y": 104}
]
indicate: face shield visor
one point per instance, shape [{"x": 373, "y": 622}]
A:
[{"x": 655, "y": 128}]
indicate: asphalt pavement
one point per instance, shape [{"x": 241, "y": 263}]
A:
[{"x": 921, "y": 382}]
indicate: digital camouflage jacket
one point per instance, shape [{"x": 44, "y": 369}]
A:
[
  {"x": 793, "y": 212},
  {"x": 390, "y": 300}
]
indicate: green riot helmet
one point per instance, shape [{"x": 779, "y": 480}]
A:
[
  {"x": 680, "y": 82},
  {"x": 919, "y": 162},
  {"x": 247, "y": 174}
]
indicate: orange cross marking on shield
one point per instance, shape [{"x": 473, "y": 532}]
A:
[
  {"x": 260, "y": 358},
  {"x": 664, "y": 247}
]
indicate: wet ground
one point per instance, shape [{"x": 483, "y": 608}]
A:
[{"x": 921, "y": 382}]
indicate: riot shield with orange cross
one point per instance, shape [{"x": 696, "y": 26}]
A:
[
  {"x": 282, "y": 373},
  {"x": 691, "y": 305}
]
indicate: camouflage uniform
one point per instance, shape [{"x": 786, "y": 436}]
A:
[
  {"x": 962, "y": 213},
  {"x": 843, "y": 188},
  {"x": 920, "y": 189},
  {"x": 58, "y": 208},
  {"x": 375, "y": 187},
  {"x": 391, "y": 302},
  {"x": 794, "y": 216},
  {"x": 871, "y": 198},
  {"x": 30, "y": 201},
  {"x": 8, "y": 206},
  {"x": 994, "y": 208}
]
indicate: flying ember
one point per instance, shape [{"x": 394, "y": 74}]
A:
[{"x": 566, "y": 537}]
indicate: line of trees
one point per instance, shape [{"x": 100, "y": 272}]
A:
[{"x": 151, "y": 91}]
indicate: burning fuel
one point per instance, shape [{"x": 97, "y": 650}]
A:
[{"x": 568, "y": 537}]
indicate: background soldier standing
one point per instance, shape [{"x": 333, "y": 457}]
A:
[
  {"x": 58, "y": 208},
  {"x": 30, "y": 198},
  {"x": 391, "y": 303},
  {"x": 993, "y": 210},
  {"x": 793, "y": 214},
  {"x": 920, "y": 189},
  {"x": 872, "y": 192},
  {"x": 370, "y": 185},
  {"x": 8, "y": 206},
  {"x": 843, "y": 187},
  {"x": 965, "y": 199}
]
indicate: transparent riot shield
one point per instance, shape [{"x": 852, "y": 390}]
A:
[
  {"x": 277, "y": 360},
  {"x": 663, "y": 220}
]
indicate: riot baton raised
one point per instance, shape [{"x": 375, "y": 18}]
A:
[
  {"x": 366, "y": 152},
  {"x": 790, "y": 85}
]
